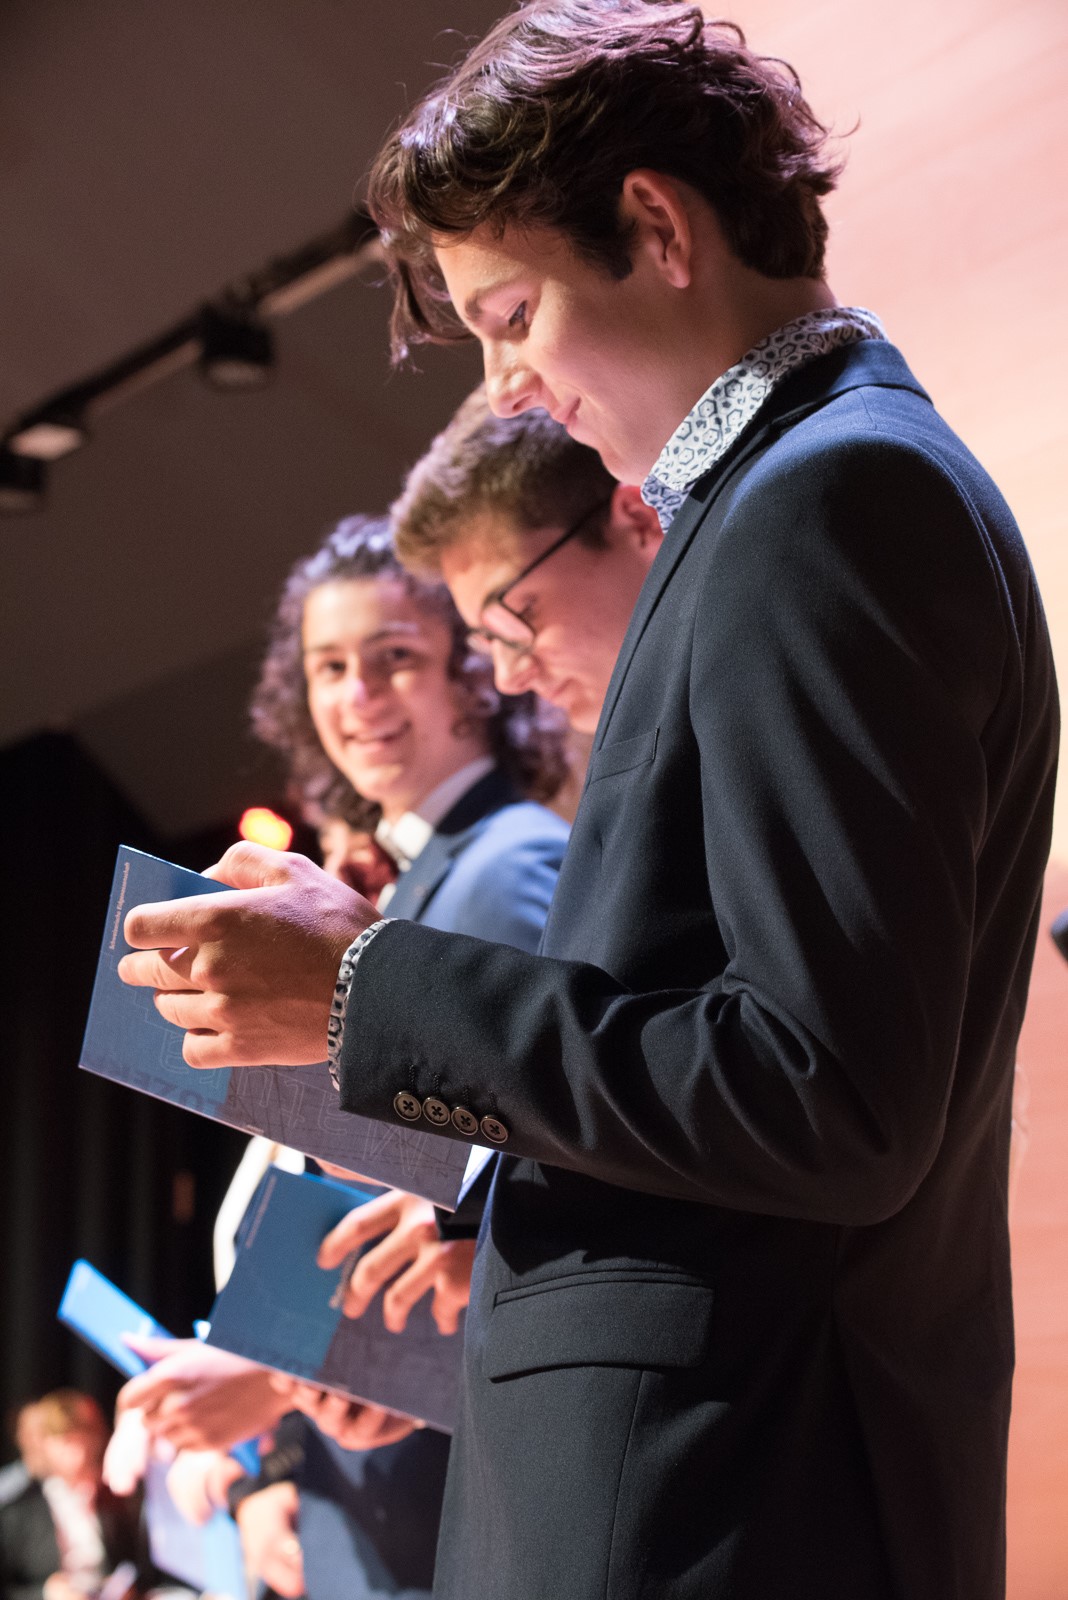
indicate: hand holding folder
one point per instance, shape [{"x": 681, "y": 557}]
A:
[{"x": 127, "y": 1040}]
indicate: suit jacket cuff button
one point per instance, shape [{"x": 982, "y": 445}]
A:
[{"x": 407, "y": 1106}]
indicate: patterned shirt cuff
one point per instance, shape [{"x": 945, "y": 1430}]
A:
[{"x": 340, "y": 1001}]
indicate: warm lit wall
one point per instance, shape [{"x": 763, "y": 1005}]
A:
[{"x": 952, "y": 223}]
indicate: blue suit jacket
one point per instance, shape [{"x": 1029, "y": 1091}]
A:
[
  {"x": 369, "y": 1519},
  {"x": 741, "y": 1322}
]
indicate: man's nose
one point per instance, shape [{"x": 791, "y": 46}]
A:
[
  {"x": 511, "y": 387},
  {"x": 514, "y": 671},
  {"x": 360, "y": 686}
]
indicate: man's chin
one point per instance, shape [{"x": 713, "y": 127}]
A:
[
  {"x": 583, "y": 718},
  {"x": 622, "y": 464}
]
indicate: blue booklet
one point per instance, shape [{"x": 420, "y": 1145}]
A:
[
  {"x": 208, "y": 1556},
  {"x": 101, "y": 1314},
  {"x": 127, "y": 1040},
  {"x": 278, "y": 1307},
  {"x": 98, "y": 1312}
]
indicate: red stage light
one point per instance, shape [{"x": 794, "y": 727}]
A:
[{"x": 259, "y": 825}]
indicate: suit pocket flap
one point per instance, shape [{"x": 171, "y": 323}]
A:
[
  {"x": 622, "y": 755},
  {"x": 618, "y": 1321}
]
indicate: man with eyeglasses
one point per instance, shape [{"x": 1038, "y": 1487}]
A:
[{"x": 544, "y": 552}]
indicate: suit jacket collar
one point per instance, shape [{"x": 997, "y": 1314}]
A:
[
  {"x": 869, "y": 362},
  {"x": 451, "y": 836}
]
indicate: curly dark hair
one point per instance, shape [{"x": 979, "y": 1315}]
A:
[
  {"x": 543, "y": 120},
  {"x": 526, "y": 737}
]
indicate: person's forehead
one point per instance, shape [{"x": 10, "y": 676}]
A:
[{"x": 365, "y": 608}]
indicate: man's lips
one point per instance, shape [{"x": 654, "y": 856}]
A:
[{"x": 377, "y": 736}]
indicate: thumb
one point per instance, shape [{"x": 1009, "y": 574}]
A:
[
  {"x": 252, "y": 866},
  {"x": 148, "y": 1346}
]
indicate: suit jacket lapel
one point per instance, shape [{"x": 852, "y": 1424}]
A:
[
  {"x": 417, "y": 884},
  {"x": 452, "y": 835}
]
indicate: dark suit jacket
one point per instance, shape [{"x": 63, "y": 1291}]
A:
[
  {"x": 369, "y": 1519},
  {"x": 29, "y": 1552},
  {"x": 742, "y": 1323}
]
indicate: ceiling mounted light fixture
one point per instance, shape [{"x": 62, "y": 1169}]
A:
[
  {"x": 22, "y": 483},
  {"x": 49, "y": 435},
  {"x": 236, "y": 349}
]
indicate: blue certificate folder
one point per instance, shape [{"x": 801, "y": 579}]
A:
[
  {"x": 278, "y": 1307},
  {"x": 208, "y": 1556},
  {"x": 101, "y": 1314},
  {"x": 127, "y": 1040}
]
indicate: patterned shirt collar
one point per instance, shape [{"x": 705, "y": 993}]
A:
[{"x": 727, "y": 408}]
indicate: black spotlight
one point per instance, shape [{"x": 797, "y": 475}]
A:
[
  {"x": 22, "y": 483},
  {"x": 49, "y": 435},
  {"x": 236, "y": 349},
  {"x": 1059, "y": 934}
]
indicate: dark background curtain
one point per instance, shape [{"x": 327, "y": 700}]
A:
[{"x": 89, "y": 1168}]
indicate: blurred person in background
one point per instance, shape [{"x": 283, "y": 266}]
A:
[
  {"x": 66, "y": 1532},
  {"x": 28, "y": 1435}
]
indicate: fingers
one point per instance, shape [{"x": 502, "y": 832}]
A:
[
  {"x": 149, "y": 1347},
  {"x": 157, "y": 969},
  {"x": 306, "y": 1397},
  {"x": 253, "y": 866},
  {"x": 283, "y": 1570},
  {"x": 362, "y": 1223},
  {"x": 126, "y": 1456},
  {"x": 347, "y": 1175},
  {"x": 352, "y": 1425},
  {"x": 376, "y": 1268},
  {"x": 374, "y": 1427},
  {"x": 267, "y": 1521},
  {"x": 186, "y": 1009},
  {"x": 409, "y": 1288},
  {"x": 445, "y": 1308},
  {"x": 328, "y": 1411},
  {"x": 216, "y": 1050},
  {"x": 145, "y": 1391},
  {"x": 172, "y": 924}
]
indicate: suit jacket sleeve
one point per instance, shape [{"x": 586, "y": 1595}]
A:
[{"x": 852, "y": 643}]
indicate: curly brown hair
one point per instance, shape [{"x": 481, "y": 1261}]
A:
[
  {"x": 526, "y": 737},
  {"x": 543, "y": 120}
]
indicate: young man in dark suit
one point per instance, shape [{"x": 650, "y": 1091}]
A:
[{"x": 741, "y": 1319}]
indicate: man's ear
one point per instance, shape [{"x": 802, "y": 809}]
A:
[
  {"x": 655, "y": 209},
  {"x": 635, "y": 523}
]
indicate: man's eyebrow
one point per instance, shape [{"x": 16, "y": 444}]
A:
[{"x": 473, "y": 303}]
